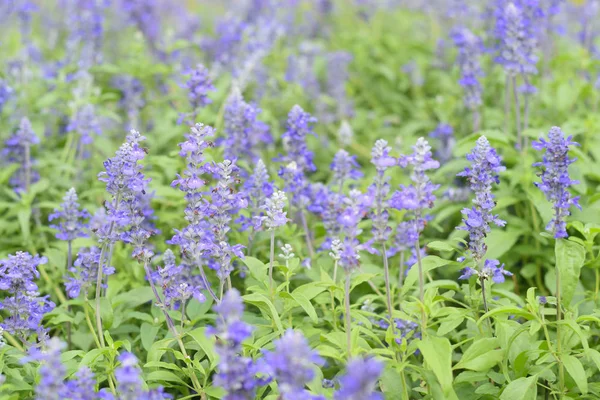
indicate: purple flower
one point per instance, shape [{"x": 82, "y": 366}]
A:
[
  {"x": 337, "y": 76},
  {"x": 24, "y": 307},
  {"x": 257, "y": 188},
  {"x": 380, "y": 189},
  {"x": 555, "y": 178},
  {"x": 6, "y": 93},
  {"x": 71, "y": 219},
  {"x": 292, "y": 364},
  {"x": 274, "y": 209},
  {"x": 18, "y": 150},
  {"x": 52, "y": 372},
  {"x": 177, "y": 283},
  {"x": 86, "y": 124},
  {"x": 470, "y": 48},
  {"x": 492, "y": 269},
  {"x": 199, "y": 85},
  {"x": 516, "y": 33},
  {"x": 236, "y": 374},
  {"x": 84, "y": 272},
  {"x": 129, "y": 381},
  {"x": 485, "y": 166},
  {"x": 355, "y": 208},
  {"x": 296, "y": 185},
  {"x": 80, "y": 387},
  {"x": 244, "y": 133},
  {"x": 360, "y": 380},
  {"x": 417, "y": 197},
  {"x": 132, "y": 98},
  {"x": 126, "y": 183},
  {"x": 299, "y": 127},
  {"x": 344, "y": 167}
]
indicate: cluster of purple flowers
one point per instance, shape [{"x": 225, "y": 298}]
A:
[
  {"x": 84, "y": 271},
  {"x": 257, "y": 188},
  {"x": 555, "y": 178},
  {"x": 129, "y": 382},
  {"x": 417, "y": 197},
  {"x": 292, "y": 365},
  {"x": 516, "y": 31},
  {"x": 243, "y": 131},
  {"x": 483, "y": 173},
  {"x": 177, "y": 282},
  {"x": 470, "y": 48},
  {"x": 86, "y": 124},
  {"x": 71, "y": 219},
  {"x": 344, "y": 167},
  {"x": 239, "y": 376},
  {"x": 6, "y": 93},
  {"x": 356, "y": 206},
  {"x": 199, "y": 85},
  {"x": 360, "y": 380},
  {"x": 18, "y": 150},
  {"x": 23, "y": 305},
  {"x": 132, "y": 98},
  {"x": 379, "y": 190}
]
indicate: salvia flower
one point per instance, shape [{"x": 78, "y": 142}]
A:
[
  {"x": 84, "y": 271},
  {"x": 299, "y": 127},
  {"x": 296, "y": 185},
  {"x": 243, "y": 131},
  {"x": 24, "y": 306},
  {"x": 132, "y": 98},
  {"x": 274, "y": 209},
  {"x": 129, "y": 381},
  {"x": 417, "y": 197},
  {"x": 236, "y": 374},
  {"x": 381, "y": 159},
  {"x": 360, "y": 380},
  {"x": 257, "y": 188},
  {"x": 293, "y": 365},
  {"x": 6, "y": 93},
  {"x": 52, "y": 372},
  {"x": 18, "y": 150},
  {"x": 444, "y": 134},
  {"x": 344, "y": 167},
  {"x": 86, "y": 124},
  {"x": 337, "y": 76},
  {"x": 199, "y": 85},
  {"x": 178, "y": 284},
  {"x": 483, "y": 172},
  {"x": 555, "y": 178},
  {"x": 225, "y": 202},
  {"x": 491, "y": 269},
  {"x": 355, "y": 208},
  {"x": 125, "y": 182},
  {"x": 515, "y": 31},
  {"x": 71, "y": 218},
  {"x": 470, "y": 48}
]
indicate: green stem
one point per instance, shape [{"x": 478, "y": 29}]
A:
[
  {"x": 88, "y": 320},
  {"x": 347, "y": 315},
  {"x": 386, "y": 273},
  {"x": 421, "y": 289},
  {"x": 271, "y": 260},
  {"x": 11, "y": 339},
  {"x": 561, "y": 368}
]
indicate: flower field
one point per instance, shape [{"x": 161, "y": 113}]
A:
[{"x": 299, "y": 199}]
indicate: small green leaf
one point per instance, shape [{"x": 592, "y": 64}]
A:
[
  {"x": 569, "y": 260},
  {"x": 257, "y": 268},
  {"x": 440, "y": 246},
  {"x": 437, "y": 353},
  {"x": 521, "y": 389},
  {"x": 205, "y": 343},
  {"x": 575, "y": 369},
  {"x": 148, "y": 334},
  {"x": 260, "y": 300},
  {"x": 482, "y": 355},
  {"x": 303, "y": 302},
  {"x": 429, "y": 263}
]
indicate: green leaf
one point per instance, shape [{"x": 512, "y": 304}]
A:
[
  {"x": 437, "y": 353},
  {"x": 257, "y": 268},
  {"x": 575, "y": 369},
  {"x": 206, "y": 344},
  {"x": 569, "y": 260},
  {"x": 429, "y": 263},
  {"x": 499, "y": 242},
  {"x": 148, "y": 334},
  {"x": 260, "y": 300},
  {"x": 304, "y": 303},
  {"x": 482, "y": 355},
  {"x": 164, "y": 376},
  {"x": 521, "y": 389},
  {"x": 594, "y": 355},
  {"x": 440, "y": 246}
]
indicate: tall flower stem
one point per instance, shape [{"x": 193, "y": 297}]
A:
[
  {"x": 485, "y": 304},
  {"x": 98, "y": 295},
  {"x": 311, "y": 251},
  {"x": 347, "y": 315},
  {"x": 400, "y": 279},
  {"x": 271, "y": 260},
  {"x": 517, "y": 112},
  {"x": 506, "y": 103},
  {"x": 386, "y": 273},
  {"x": 27, "y": 167},
  {"x": 207, "y": 284},
  {"x": 561, "y": 367},
  {"x": 421, "y": 289},
  {"x": 173, "y": 329}
]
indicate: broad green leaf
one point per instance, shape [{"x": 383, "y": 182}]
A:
[
  {"x": 257, "y": 268},
  {"x": 206, "y": 344},
  {"x": 499, "y": 242},
  {"x": 594, "y": 355},
  {"x": 437, "y": 353},
  {"x": 304, "y": 303},
  {"x": 429, "y": 263},
  {"x": 440, "y": 246},
  {"x": 521, "y": 389},
  {"x": 569, "y": 260},
  {"x": 310, "y": 290},
  {"x": 148, "y": 334},
  {"x": 575, "y": 369},
  {"x": 482, "y": 355},
  {"x": 260, "y": 300},
  {"x": 164, "y": 376}
]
